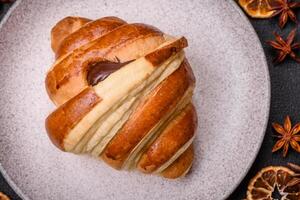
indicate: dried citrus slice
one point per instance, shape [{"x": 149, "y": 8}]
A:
[
  {"x": 258, "y": 8},
  {"x": 271, "y": 179}
]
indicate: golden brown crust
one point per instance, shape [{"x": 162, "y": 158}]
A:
[
  {"x": 87, "y": 33},
  {"x": 178, "y": 132},
  {"x": 162, "y": 54},
  {"x": 180, "y": 166},
  {"x": 158, "y": 103},
  {"x": 68, "y": 77},
  {"x": 151, "y": 129},
  {"x": 65, "y": 27},
  {"x": 60, "y": 122}
]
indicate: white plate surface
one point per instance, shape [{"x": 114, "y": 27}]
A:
[{"x": 232, "y": 99}]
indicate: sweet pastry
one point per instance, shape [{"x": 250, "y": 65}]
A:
[{"x": 123, "y": 94}]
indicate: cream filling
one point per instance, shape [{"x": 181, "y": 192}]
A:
[
  {"x": 105, "y": 139},
  {"x": 110, "y": 119},
  {"x": 107, "y": 126},
  {"x": 175, "y": 156},
  {"x": 170, "y": 66},
  {"x": 133, "y": 75},
  {"x": 123, "y": 105},
  {"x": 139, "y": 149},
  {"x": 186, "y": 171},
  {"x": 110, "y": 96},
  {"x": 139, "y": 98}
]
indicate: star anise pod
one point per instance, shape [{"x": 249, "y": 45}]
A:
[
  {"x": 288, "y": 136},
  {"x": 285, "y": 9},
  {"x": 285, "y": 47}
]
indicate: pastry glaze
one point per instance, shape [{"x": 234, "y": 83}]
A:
[
  {"x": 158, "y": 103},
  {"x": 63, "y": 119},
  {"x": 64, "y": 28},
  {"x": 130, "y": 81},
  {"x": 68, "y": 75},
  {"x": 92, "y": 30}
]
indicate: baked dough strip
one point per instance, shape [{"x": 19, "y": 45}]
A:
[
  {"x": 131, "y": 76},
  {"x": 141, "y": 115},
  {"x": 160, "y": 76},
  {"x": 139, "y": 149},
  {"x": 157, "y": 77}
]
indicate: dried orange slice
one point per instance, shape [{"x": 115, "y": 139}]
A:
[
  {"x": 271, "y": 179},
  {"x": 258, "y": 8}
]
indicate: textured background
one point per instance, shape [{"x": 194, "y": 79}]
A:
[{"x": 285, "y": 89}]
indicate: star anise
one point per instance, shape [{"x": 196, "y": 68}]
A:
[
  {"x": 285, "y": 47},
  {"x": 285, "y": 9},
  {"x": 288, "y": 136}
]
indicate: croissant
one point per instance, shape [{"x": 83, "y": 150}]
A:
[{"x": 123, "y": 94}]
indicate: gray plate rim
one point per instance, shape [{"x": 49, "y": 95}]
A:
[{"x": 19, "y": 192}]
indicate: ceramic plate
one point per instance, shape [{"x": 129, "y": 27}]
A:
[{"x": 232, "y": 99}]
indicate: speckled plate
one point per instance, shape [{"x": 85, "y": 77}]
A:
[{"x": 232, "y": 99}]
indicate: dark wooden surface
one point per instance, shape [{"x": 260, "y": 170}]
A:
[{"x": 285, "y": 100}]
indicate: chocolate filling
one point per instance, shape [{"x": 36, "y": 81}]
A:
[{"x": 101, "y": 70}]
